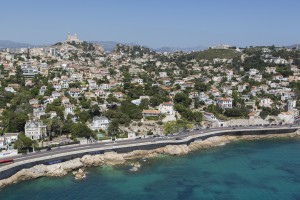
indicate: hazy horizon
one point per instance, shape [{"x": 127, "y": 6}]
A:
[{"x": 153, "y": 23}]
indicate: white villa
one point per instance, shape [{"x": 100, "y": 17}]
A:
[
  {"x": 166, "y": 108},
  {"x": 99, "y": 123},
  {"x": 74, "y": 92},
  {"x": 35, "y": 129},
  {"x": 69, "y": 109},
  {"x": 224, "y": 102}
]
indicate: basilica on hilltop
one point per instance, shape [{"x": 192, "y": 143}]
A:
[{"x": 72, "y": 39}]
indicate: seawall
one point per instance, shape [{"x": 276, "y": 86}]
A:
[{"x": 12, "y": 169}]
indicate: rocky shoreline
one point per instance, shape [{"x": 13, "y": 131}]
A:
[{"x": 112, "y": 158}]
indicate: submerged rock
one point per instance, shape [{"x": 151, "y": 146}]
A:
[
  {"x": 135, "y": 167},
  {"x": 80, "y": 174}
]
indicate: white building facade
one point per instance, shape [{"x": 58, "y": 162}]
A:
[
  {"x": 166, "y": 108},
  {"x": 99, "y": 123},
  {"x": 35, "y": 130}
]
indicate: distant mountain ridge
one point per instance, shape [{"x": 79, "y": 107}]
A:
[
  {"x": 110, "y": 45},
  {"x": 12, "y": 44},
  {"x": 293, "y": 46},
  {"x": 107, "y": 45},
  {"x": 186, "y": 49}
]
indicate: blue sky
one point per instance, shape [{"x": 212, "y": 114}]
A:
[{"x": 155, "y": 23}]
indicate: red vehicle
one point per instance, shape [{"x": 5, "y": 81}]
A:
[{"x": 6, "y": 161}]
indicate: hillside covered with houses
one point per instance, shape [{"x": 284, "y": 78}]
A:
[{"x": 73, "y": 89}]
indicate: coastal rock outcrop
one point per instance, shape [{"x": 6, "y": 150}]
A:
[
  {"x": 176, "y": 150},
  {"x": 88, "y": 160},
  {"x": 210, "y": 142},
  {"x": 108, "y": 158},
  {"x": 138, "y": 154},
  {"x": 25, "y": 174},
  {"x": 55, "y": 170},
  {"x": 71, "y": 164},
  {"x": 113, "y": 158}
]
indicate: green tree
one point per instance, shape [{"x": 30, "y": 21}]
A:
[
  {"x": 254, "y": 61},
  {"x": 112, "y": 72},
  {"x": 56, "y": 126},
  {"x": 66, "y": 128},
  {"x": 200, "y": 86},
  {"x": 94, "y": 111},
  {"x": 34, "y": 91},
  {"x": 49, "y": 90},
  {"x": 23, "y": 142},
  {"x": 196, "y": 103},
  {"x": 130, "y": 109},
  {"x": 83, "y": 116},
  {"x": 57, "y": 107},
  {"x": 182, "y": 98},
  {"x": 85, "y": 103},
  {"x": 169, "y": 127},
  {"x": 155, "y": 101},
  {"x": 14, "y": 121},
  {"x": 111, "y": 98},
  {"x": 144, "y": 104},
  {"x": 175, "y": 126},
  {"x": 233, "y": 112},
  {"x": 265, "y": 111},
  {"x": 113, "y": 128},
  {"x": 19, "y": 76},
  {"x": 81, "y": 130}
]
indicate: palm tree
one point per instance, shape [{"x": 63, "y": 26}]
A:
[{"x": 49, "y": 127}]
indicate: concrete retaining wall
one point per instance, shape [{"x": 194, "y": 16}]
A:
[
  {"x": 203, "y": 137},
  {"x": 9, "y": 172}
]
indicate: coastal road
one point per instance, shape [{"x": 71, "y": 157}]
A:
[{"x": 181, "y": 136}]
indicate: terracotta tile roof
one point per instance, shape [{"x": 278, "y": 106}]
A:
[
  {"x": 168, "y": 103},
  {"x": 151, "y": 112}
]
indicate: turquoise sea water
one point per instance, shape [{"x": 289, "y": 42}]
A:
[{"x": 266, "y": 169}]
